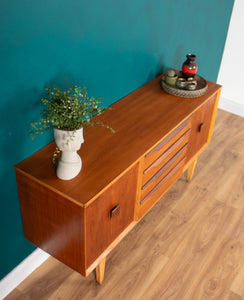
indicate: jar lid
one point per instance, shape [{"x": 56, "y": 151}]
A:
[{"x": 171, "y": 73}]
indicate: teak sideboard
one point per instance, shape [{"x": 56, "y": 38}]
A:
[{"x": 157, "y": 137}]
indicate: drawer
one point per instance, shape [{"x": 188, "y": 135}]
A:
[
  {"x": 166, "y": 143},
  {"x": 163, "y": 172},
  {"x": 160, "y": 188},
  {"x": 167, "y": 155},
  {"x": 154, "y": 195},
  {"x": 164, "y": 182},
  {"x": 110, "y": 214}
]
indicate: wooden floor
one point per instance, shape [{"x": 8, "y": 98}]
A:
[{"x": 189, "y": 246}]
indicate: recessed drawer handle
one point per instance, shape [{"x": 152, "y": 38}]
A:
[
  {"x": 169, "y": 137},
  {"x": 163, "y": 181},
  {"x": 165, "y": 167},
  {"x": 201, "y": 127},
  {"x": 115, "y": 211},
  {"x": 167, "y": 152}
]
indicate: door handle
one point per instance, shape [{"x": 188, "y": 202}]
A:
[
  {"x": 201, "y": 127},
  {"x": 114, "y": 211}
]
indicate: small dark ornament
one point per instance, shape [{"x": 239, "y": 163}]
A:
[{"x": 189, "y": 67}]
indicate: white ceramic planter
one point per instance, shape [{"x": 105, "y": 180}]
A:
[{"x": 69, "y": 142}]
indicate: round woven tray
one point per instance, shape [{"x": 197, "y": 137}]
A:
[{"x": 201, "y": 88}]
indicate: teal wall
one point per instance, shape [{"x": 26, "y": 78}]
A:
[{"x": 112, "y": 47}]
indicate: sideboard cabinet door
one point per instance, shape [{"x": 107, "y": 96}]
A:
[
  {"x": 110, "y": 214},
  {"x": 200, "y": 127}
]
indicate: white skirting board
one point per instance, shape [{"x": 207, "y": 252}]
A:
[
  {"x": 22, "y": 271},
  {"x": 231, "y": 106}
]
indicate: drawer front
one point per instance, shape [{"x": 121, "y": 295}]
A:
[
  {"x": 164, "y": 172},
  {"x": 160, "y": 188},
  {"x": 162, "y": 166},
  {"x": 110, "y": 214},
  {"x": 169, "y": 153},
  {"x": 170, "y": 176},
  {"x": 166, "y": 143}
]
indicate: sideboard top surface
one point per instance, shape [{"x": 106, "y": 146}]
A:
[{"x": 140, "y": 120}]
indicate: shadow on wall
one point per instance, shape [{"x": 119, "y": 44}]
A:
[
  {"x": 162, "y": 66},
  {"x": 15, "y": 146},
  {"x": 19, "y": 111},
  {"x": 22, "y": 108},
  {"x": 16, "y": 143}
]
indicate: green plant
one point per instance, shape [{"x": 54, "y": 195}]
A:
[{"x": 69, "y": 110}]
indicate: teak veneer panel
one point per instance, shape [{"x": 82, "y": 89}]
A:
[
  {"x": 200, "y": 125},
  {"x": 99, "y": 221},
  {"x": 52, "y": 223},
  {"x": 123, "y": 175},
  {"x": 140, "y": 120}
]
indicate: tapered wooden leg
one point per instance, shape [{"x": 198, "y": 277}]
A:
[
  {"x": 191, "y": 170},
  {"x": 100, "y": 269}
]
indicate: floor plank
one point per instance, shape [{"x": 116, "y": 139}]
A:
[{"x": 189, "y": 246}]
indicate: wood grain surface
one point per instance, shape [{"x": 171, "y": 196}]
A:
[
  {"x": 189, "y": 246},
  {"x": 140, "y": 120}
]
